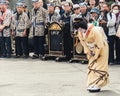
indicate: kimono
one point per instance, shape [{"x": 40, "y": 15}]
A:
[{"x": 94, "y": 42}]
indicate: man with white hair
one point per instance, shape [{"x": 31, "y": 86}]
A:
[{"x": 38, "y": 20}]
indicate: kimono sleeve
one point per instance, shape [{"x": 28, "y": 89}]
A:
[{"x": 98, "y": 44}]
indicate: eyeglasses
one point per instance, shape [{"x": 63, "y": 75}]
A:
[
  {"x": 101, "y": 2},
  {"x": 76, "y": 8}
]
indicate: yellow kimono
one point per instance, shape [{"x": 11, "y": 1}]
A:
[{"x": 96, "y": 47}]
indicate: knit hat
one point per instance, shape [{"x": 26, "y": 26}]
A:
[{"x": 95, "y": 10}]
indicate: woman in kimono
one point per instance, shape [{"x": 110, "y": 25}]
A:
[{"x": 96, "y": 48}]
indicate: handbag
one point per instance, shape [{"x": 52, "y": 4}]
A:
[{"x": 118, "y": 32}]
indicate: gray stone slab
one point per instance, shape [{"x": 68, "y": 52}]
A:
[{"x": 27, "y": 77}]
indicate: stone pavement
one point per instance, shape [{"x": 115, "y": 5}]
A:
[{"x": 27, "y": 77}]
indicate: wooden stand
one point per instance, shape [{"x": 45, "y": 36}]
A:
[{"x": 55, "y": 42}]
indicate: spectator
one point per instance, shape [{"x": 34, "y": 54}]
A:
[
  {"x": 111, "y": 33},
  {"x": 76, "y": 9},
  {"x": 84, "y": 11},
  {"x": 116, "y": 11},
  {"x": 59, "y": 10},
  {"x": 38, "y": 19},
  {"x": 95, "y": 16},
  {"x": 53, "y": 16},
  {"x": 65, "y": 19},
  {"x": 92, "y": 4},
  {"x": 103, "y": 20},
  {"x": 101, "y": 2},
  {"x": 26, "y": 10},
  {"x": 19, "y": 30},
  {"x": 5, "y": 34}
]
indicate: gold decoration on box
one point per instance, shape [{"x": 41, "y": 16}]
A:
[{"x": 55, "y": 26}]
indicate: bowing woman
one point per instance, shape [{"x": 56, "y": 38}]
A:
[{"x": 96, "y": 48}]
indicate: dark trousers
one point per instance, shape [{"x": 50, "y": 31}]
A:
[
  {"x": 38, "y": 43},
  {"x": 68, "y": 46},
  {"x": 117, "y": 48},
  {"x": 21, "y": 46},
  {"x": 114, "y": 46},
  {"x": 5, "y": 44}
]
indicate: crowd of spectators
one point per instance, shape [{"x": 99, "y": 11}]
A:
[{"x": 101, "y": 13}]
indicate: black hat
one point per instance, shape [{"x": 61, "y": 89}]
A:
[{"x": 80, "y": 23}]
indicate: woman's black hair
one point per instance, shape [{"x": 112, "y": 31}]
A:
[{"x": 80, "y": 23}]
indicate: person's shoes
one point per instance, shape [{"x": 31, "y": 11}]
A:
[
  {"x": 8, "y": 56},
  {"x": 93, "y": 89},
  {"x": 41, "y": 56},
  {"x": 111, "y": 63},
  {"x": 118, "y": 62},
  {"x": 89, "y": 88},
  {"x": 25, "y": 56},
  {"x": 35, "y": 56},
  {"x": 3, "y": 56},
  {"x": 17, "y": 56}
]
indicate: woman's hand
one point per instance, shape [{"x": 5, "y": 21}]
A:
[
  {"x": 80, "y": 35},
  {"x": 89, "y": 55}
]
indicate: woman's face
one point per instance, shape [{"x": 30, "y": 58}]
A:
[
  {"x": 115, "y": 9},
  {"x": 57, "y": 9}
]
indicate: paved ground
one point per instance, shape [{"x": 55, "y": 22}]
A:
[{"x": 27, "y": 77}]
